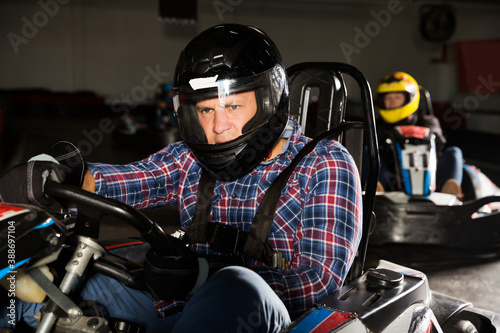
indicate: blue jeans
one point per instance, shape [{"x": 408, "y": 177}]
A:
[
  {"x": 450, "y": 166},
  {"x": 235, "y": 299}
]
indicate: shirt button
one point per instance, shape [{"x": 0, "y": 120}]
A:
[{"x": 233, "y": 195}]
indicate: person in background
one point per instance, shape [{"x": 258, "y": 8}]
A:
[
  {"x": 165, "y": 118},
  {"x": 397, "y": 100}
]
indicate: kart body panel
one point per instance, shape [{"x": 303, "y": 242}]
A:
[
  {"x": 443, "y": 221},
  {"x": 28, "y": 234},
  {"x": 416, "y": 159},
  {"x": 393, "y": 305}
]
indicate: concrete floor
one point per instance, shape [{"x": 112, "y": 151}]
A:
[{"x": 476, "y": 280}]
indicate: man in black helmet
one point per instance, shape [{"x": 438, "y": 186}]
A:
[{"x": 230, "y": 94}]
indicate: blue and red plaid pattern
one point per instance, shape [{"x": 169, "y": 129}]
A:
[{"x": 317, "y": 225}]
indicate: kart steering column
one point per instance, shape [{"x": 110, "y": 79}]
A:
[{"x": 85, "y": 250}]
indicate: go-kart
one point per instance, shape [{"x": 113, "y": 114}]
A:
[
  {"x": 466, "y": 222},
  {"x": 32, "y": 240},
  {"x": 390, "y": 298}
]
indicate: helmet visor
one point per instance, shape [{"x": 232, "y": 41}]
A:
[{"x": 212, "y": 110}]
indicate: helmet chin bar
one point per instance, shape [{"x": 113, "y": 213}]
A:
[{"x": 232, "y": 160}]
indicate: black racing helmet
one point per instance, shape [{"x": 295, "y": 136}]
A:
[{"x": 222, "y": 61}]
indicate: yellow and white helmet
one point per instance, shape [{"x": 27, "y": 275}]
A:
[{"x": 398, "y": 82}]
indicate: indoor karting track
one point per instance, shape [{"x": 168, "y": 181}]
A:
[{"x": 472, "y": 278}]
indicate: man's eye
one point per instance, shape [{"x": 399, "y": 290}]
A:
[
  {"x": 233, "y": 107},
  {"x": 204, "y": 110}
]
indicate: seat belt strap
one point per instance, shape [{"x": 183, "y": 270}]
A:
[
  {"x": 257, "y": 246},
  {"x": 197, "y": 232}
]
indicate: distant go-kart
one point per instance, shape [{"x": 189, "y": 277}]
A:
[
  {"x": 390, "y": 297},
  {"x": 417, "y": 214}
]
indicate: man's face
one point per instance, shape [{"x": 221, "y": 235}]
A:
[
  {"x": 394, "y": 100},
  {"x": 223, "y": 119}
]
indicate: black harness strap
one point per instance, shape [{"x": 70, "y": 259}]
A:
[
  {"x": 256, "y": 245},
  {"x": 229, "y": 239},
  {"x": 197, "y": 232}
]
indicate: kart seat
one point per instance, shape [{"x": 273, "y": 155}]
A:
[
  {"x": 318, "y": 99},
  {"x": 425, "y": 105}
]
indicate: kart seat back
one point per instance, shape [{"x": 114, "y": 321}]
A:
[
  {"x": 425, "y": 105},
  {"x": 318, "y": 99}
]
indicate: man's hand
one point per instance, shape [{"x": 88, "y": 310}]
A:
[
  {"x": 69, "y": 155},
  {"x": 182, "y": 272},
  {"x": 24, "y": 183},
  {"x": 88, "y": 182}
]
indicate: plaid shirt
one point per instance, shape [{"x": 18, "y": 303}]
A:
[{"x": 317, "y": 225}]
